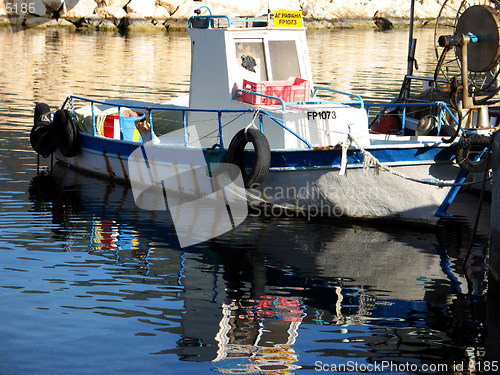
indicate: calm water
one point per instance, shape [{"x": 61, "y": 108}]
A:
[{"x": 92, "y": 285}]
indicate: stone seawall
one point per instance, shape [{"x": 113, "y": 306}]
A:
[{"x": 167, "y": 14}]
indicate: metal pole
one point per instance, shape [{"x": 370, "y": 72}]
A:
[{"x": 411, "y": 42}]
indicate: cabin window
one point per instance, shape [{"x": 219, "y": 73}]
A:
[
  {"x": 251, "y": 60},
  {"x": 284, "y": 59}
]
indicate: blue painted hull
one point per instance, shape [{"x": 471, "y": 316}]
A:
[{"x": 328, "y": 159}]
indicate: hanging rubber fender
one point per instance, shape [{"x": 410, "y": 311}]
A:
[
  {"x": 42, "y": 135},
  {"x": 66, "y": 133},
  {"x": 476, "y": 143},
  {"x": 262, "y": 160}
]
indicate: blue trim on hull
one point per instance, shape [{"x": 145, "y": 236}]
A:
[
  {"x": 112, "y": 147},
  {"x": 299, "y": 159},
  {"x": 318, "y": 159}
]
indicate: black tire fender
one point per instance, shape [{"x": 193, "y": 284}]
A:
[
  {"x": 262, "y": 159},
  {"x": 465, "y": 147},
  {"x": 66, "y": 133},
  {"x": 42, "y": 135}
]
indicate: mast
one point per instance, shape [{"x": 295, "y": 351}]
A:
[{"x": 412, "y": 42}]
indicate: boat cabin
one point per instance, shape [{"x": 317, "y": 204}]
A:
[
  {"x": 224, "y": 58},
  {"x": 263, "y": 63}
]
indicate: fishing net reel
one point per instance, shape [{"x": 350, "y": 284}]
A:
[{"x": 467, "y": 46}]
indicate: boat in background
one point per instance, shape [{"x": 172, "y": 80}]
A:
[{"x": 314, "y": 150}]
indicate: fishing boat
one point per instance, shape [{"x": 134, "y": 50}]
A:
[{"x": 256, "y": 130}]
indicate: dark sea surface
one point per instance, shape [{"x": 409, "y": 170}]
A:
[{"x": 91, "y": 284}]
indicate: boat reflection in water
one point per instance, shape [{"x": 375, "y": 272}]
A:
[{"x": 278, "y": 294}]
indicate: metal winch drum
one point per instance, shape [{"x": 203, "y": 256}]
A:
[
  {"x": 478, "y": 20},
  {"x": 483, "y": 22}
]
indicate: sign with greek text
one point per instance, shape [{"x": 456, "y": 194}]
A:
[{"x": 288, "y": 18}]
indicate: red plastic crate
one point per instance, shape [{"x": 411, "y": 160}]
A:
[
  {"x": 292, "y": 90},
  {"x": 112, "y": 126}
]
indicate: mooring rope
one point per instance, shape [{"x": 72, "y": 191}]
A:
[{"x": 371, "y": 162}]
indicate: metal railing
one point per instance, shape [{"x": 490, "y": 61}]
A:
[
  {"x": 184, "y": 111},
  {"x": 260, "y": 113},
  {"x": 209, "y": 24},
  {"x": 284, "y": 104},
  {"x": 402, "y": 111},
  {"x": 358, "y": 101}
]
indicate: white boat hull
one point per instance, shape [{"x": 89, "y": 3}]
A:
[
  {"x": 358, "y": 194},
  {"x": 316, "y": 191}
]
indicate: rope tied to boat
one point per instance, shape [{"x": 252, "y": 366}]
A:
[
  {"x": 343, "y": 161},
  {"x": 252, "y": 123},
  {"x": 370, "y": 161}
]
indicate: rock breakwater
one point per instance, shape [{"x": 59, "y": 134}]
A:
[{"x": 170, "y": 14}]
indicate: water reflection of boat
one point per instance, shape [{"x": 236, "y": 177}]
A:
[
  {"x": 342, "y": 276},
  {"x": 250, "y": 295}
]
